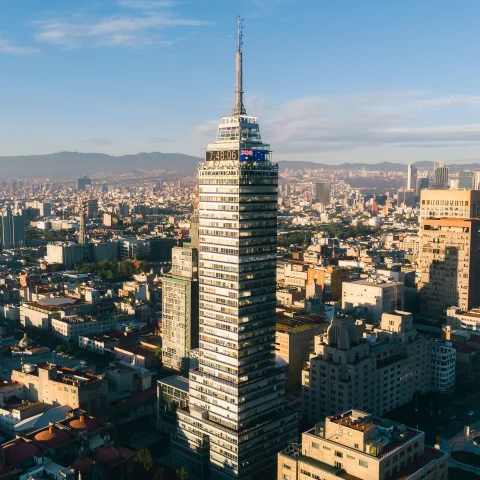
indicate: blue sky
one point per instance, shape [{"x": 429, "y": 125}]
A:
[{"x": 330, "y": 80}]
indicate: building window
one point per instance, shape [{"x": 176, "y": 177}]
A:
[
  {"x": 315, "y": 445},
  {"x": 363, "y": 463},
  {"x": 287, "y": 467},
  {"x": 338, "y": 454},
  {"x": 286, "y": 477},
  {"x": 338, "y": 465},
  {"x": 356, "y": 445}
]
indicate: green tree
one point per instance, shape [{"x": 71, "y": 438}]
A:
[
  {"x": 142, "y": 466},
  {"x": 158, "y": 353},
  {"x": 181, "y": 474}
]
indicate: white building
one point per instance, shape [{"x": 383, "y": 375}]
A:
[
  {"x": 377, "y": 296},
  {"x": 67, "y": 254},
  {"x": 70, "y": 328},
  {"x": 442, "y": 371},
  {"x": 460, "y": 320}
]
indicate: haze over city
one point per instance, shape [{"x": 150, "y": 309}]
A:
[{"x": 331, "y": 81}]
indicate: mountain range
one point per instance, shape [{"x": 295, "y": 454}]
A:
[{"x": 167, "y": 165}]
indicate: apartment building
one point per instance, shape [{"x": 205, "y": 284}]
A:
[
  {"x": 359, "y": 446},
  {"x": 377, "y": 296},
  {"x": 449, "y": 264},
  {"x": 457, "y": 319},
  {"x": 449, "y": 204},
  {"x": 57, "y": 385},
  {"x": 331, "y": 279},
  {"x": 375, "y": 370},
  {"x": 70, "y": 328},
  {"x": 443, "y": 361},
  {"x": 294, "y": 341}
]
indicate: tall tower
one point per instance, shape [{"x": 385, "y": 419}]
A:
[
  {"x": 237, "y": 419},
  {"x": 411, "y": 177},
  {"x": 82, "y": 233}
]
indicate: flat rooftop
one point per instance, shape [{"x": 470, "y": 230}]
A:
[
  {"x": 176, "y": 381},
  {"x": 368, "y": 283}
]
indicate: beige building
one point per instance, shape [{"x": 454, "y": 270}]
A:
[
  {"x": 58, "y": 385},
  {"x": 377, "y": 296},
  {"x": 468, "y": 321},
  {"x": 449, "y": 264},
  {"x": 449, "y": 204},
  {"x": 375, "y": 370},
  {"x": 354, "y": 445},
  {"x": 294, "y": 342}
]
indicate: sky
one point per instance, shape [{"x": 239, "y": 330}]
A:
[{"x": 331, "y": 80}]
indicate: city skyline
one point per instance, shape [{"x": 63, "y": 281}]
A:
[{"x": 372, "y": 83}]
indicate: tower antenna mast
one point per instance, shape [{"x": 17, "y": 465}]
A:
[{"x": 238, "y": 108}]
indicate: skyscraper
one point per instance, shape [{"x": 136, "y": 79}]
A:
[
  {"x": 322, "y": 193},
  {"x": 411, "y": 177},
  {"x": 449, "y": 264},
  {"x": 13, "y": 230},
  {"x": 466, "y": 179},
  {"x": 180, "y": 309},
  {"x": 82, "y": 182},
  {"x": 237, "y": 419},
  {"x": 440, "y": 176},
  {"x": 82, "y": 232},
  {"x": 420, "y": 184}
]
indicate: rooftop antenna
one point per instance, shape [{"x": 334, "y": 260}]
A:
[{"x": 238, "y": 108}]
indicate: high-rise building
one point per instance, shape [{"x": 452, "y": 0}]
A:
[
  {"x": 237, "y": 419},
  {"x": 449, "y": 264},
  {"x": 466, "y": 180},
  {"x": 440, "y": 176},
  {"x": 180, "y": 309},
  {"x": 406, "y": 198},
  {"x": 92, "y": 208},
  {"x": 420, "y": 184},
  {"x": 449, "y": 204},
  {"x": 82, "y": 182},
  {"x": 82, "y": 231},
  {"x": 411, "y": 177},
  {"x": 13, "y": 230},
  {"x": 376, "y": 372},
  {"x": 322, "y": 193},
  {"x": 357, "y": 445}
]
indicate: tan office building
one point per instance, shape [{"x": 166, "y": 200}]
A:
[
  {"x": 294, "y": 342},
  {"x": 449, "y": 265},
  {"x": 449, "y": 204},
  {"x": 354, "y": 445},
  {"x": 58, "y": 385},
  {"x": 376, "y": 372}
]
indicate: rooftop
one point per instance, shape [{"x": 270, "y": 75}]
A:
[
  {"x": 176, "y": 381},
  {"x": 373, "y": 283}
]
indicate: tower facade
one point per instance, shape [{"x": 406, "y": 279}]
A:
[
  {"x": 237, "y": 419},
  {"x": 13, "y": 230},
  {"x": 411, "y": 177},
  {"x": 180, "y": 309},
  {"x": 440, "y": 176}
]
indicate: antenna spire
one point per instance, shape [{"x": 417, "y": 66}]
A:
[{"x": 238, "y": 108}]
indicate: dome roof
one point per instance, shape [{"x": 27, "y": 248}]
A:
[
  {"x": 52, "y": 437},
  {"x": 107, "y": 455},
  {"x": 81, "y": 464},
  {"x": 84, "y": 423},
  {"x": 19, "y": 451}
]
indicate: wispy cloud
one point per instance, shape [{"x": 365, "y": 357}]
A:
[
  {"x": 318, "y": 124},
  {"x": 139, "y": 29},
  {"x": 7, "y": 46},
  {"x": 147, "y": 4}
]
